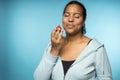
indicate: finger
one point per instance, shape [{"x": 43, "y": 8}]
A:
[
  {"x": 53, "y": 33},
  {"x": 56, "y": 34},
  {"x": 60, "y": 36}
]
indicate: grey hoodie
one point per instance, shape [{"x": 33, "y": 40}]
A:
[{"x": 93, "y": 62}]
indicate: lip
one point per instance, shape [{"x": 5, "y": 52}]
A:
[{"x": 70, "y": 26}]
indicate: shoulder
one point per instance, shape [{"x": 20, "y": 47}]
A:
[{"x": 95, "y": 44}]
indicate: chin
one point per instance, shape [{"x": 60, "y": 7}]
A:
[{"x": 70, "y": 32}]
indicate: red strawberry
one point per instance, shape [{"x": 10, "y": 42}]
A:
[{"x": 59, "y": 28}]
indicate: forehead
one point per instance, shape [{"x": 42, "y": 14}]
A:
[{"x": 74, "y": 8}]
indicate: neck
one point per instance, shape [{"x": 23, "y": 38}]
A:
[{"x": 74, "y": 38}]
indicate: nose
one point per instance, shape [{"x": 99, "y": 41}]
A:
[{"x": 71, "y": 19}]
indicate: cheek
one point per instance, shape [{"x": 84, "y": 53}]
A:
[
  {"x": 64, "y": 20},
  {"x": 79, "y": 22}
]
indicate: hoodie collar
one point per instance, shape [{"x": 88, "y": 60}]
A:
[{"x": 91, "y": 47}]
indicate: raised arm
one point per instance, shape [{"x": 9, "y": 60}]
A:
[{"x": 45, "y": 68}]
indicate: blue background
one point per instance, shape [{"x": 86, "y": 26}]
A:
[{"x": 25, "y": 28}]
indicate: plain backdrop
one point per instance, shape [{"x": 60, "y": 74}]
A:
[{"x": 25, "y": 29}]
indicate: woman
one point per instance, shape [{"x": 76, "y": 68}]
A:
[{"x": 75, "y": 56}]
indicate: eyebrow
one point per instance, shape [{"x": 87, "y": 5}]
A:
[{"x": 75, "y": 13}]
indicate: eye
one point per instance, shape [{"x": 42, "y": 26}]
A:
[
  {"x": 66, "y": 14},
  {"x": 77, "y": 16}
]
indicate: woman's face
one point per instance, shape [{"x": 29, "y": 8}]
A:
[{"x": 73, "y": 19}]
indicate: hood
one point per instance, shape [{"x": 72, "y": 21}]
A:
[{"x": 91, "y": 48}]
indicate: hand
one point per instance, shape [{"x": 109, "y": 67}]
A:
[{"x": 56, "y": 40}]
